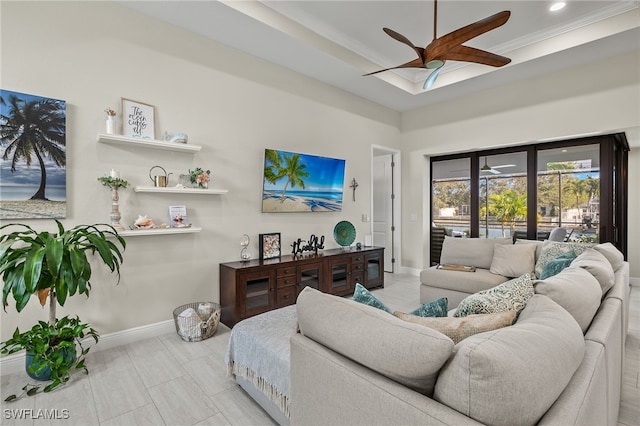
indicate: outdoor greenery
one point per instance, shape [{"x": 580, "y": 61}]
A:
[
  {"x": 507, "y": 207},
  {"x": 33, "y": 129},
  {"x": 53, "y": 266},
  {"x": 506, "y": 204}
]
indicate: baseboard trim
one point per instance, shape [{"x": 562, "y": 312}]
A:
[
  {"x": 410, "y": 271},
  {"x": 634, "y": 281},
  {"x": 15, "y": 363}
]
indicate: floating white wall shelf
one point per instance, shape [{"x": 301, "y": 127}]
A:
[
  {"x": 159, "y": 231},
  {"x": 176, "y": 190},
  {"x": 147, "y": 143}
]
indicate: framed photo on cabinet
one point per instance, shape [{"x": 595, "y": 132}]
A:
[
  {"x": 269, "y": 246},
  {"x": 138, "y": 119}
]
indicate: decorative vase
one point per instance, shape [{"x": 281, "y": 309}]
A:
[
  {"x": 203, "y": 185},
  {"x": 111, "y": 125}
]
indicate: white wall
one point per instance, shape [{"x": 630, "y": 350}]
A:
[
  {"x": 599, "y": 97},
  {"x": 93, "y": 53}
]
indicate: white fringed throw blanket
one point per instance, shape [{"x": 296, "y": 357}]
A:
[{"x": 258, "y": 352}]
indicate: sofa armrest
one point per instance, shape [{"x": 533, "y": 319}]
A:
[{"x": 327, "y": 388}]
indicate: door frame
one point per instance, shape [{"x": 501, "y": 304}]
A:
[{"x": 397, "y": 202}]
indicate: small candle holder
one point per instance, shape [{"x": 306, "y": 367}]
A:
[
  {"x": 244, "y": 253},
  {"x": 114, "y": 182}
]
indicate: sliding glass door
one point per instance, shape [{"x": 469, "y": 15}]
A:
[
  {"x": 569, "y": 191},
  {"x": 503, "y": 194},
  {"x": 451, "y": 196},
  {"x": 525, "y": 192}
]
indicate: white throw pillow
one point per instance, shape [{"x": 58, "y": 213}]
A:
[
  {"x": 576, "y": 290},
  {"x": 476, "y": 252},
  {"x": 513, "y": 260}
]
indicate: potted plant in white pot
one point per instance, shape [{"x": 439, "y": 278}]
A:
[{"x": 53, "y": 266}]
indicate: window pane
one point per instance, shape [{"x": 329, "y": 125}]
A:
[
  {"x": 503, "y": 194},
  {"x": 451, "y": 189},
  {"x": 569, "y": 191}
]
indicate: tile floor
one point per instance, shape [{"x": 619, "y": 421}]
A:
[{"x": 166, "y": 381}]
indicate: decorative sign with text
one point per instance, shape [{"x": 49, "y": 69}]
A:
[{"x": 137, "y": 119}]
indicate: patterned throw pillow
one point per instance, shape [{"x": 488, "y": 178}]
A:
[
  {"x": 458, "y": 329},
  {"x": 437, "y": 308},
  {"x": 510, "y": 296},
  {"x": 552, "y": 249},
  {"x": 555, "y": 266},
  {"x": 364, "y": 296}
]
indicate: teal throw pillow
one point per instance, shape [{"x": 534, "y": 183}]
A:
[
  {"x": 557, "y": 264},
  {"x": 437, "y": 308},
  {"x": 364, "y": 296}
]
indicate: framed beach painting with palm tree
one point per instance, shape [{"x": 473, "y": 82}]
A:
[
  {"x": 33, "y": 178},
  {"x": 295, "y": 182}
]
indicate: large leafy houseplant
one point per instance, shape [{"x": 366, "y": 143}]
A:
[{"x": 54, "y": 266}]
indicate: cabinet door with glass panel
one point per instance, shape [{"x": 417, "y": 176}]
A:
[
  {"x": 340, "y": 280},
  {"x": 257, "y": 290},
  {"x": 311, "y": 275},
  {"x": 373, "y": 264}
]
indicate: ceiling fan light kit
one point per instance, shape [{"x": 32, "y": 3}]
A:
[{"x": 449, "y": 47}]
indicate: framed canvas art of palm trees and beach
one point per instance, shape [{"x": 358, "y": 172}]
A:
[
  {"x": 295, "y": 182},
  {"x": 33, "y": 150}
]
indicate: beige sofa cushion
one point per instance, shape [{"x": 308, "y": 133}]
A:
[
  {"x": 476, "y": 252},
  {"x": 460, "y": 328},
  {"x": 513, "y": 260},
  {"x": 576, "y": 290},
  {"x": 467, "y": 282},
  {"x": 513, "y": 375},
  {"x": 613, "y": 255},
  {"x": 597, "y": 265},
  {"x": 408, "y": 353}
]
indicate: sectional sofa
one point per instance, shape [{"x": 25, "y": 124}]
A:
[{"x": 560, "y": 363}]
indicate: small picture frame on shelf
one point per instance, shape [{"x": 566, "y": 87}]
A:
[
  {"x": 269, "y": 245},
  {"x": 178, "y": 216},
  {"x": 138, "y": 119}
]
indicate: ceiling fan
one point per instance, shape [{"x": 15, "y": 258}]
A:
[
  {"x": 494, "y": 169},
  {"x": 449, "y": 47}
]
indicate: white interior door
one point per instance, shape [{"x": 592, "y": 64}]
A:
[{"x": 382, "y": 217}]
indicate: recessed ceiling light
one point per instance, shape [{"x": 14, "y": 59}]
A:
[{"x": 557, "y": 6}]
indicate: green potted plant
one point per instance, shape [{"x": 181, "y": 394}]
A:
[{"x": 53, "y": 266}]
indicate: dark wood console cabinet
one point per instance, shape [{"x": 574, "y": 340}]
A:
[{"x": 253, "y": 287}]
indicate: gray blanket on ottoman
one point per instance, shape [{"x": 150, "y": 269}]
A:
[{"x": 258, "y": 352}]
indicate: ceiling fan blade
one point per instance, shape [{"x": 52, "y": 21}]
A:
[
  {"x": 455, "y": 38},
  {"x": 402, "y": 39},
  {"x": 503, "y": 166},
  {"x": 471, "y": 54},
  {"x": 416, "y": 63},
  {"x": 432, "y": 78},
  {"x": 494, "y": 171}
]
